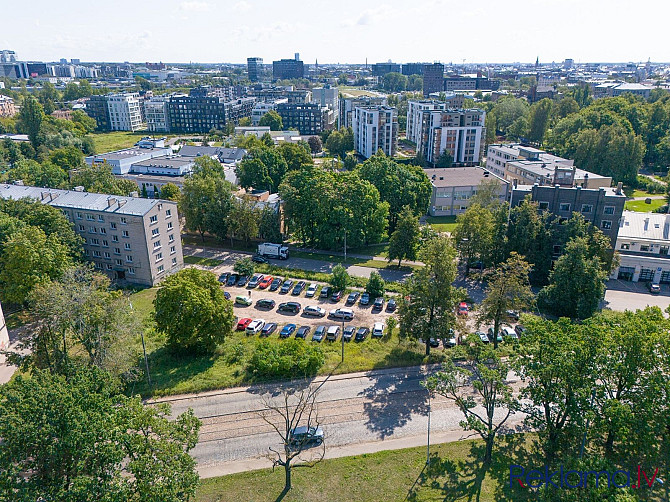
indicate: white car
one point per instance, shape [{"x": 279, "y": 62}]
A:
[
  {"x": 255, "y": 326},
  {"x": 506, "y": 331},
  {"x": 378, "y": 330},
  {"x": 314, "y": 310},
  {"x": 346, "y": 314},
  {"x": 311, "y": 291}
]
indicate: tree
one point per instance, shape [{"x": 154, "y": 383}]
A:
[
  {"x": 315, "y": 145},
  {"x": 340, "y": 142},
  {"x": 473, "y": 234},
  {"x": 339, "y": 278},
  {"x": 445, "y": 160},
  {"x": 539, "y": 120},
  {"x": 30, "y": 120},
  {"x": 291, "y": 408},
  {"x": 427, "y": 309},
  {"x": 576, "y": 284},
  {"x": 273, "y": 120},
  {"x": 245, "y": 267},
  {"x": 295, "y": 156},
  {"x": 394, "y": 82},
  {"x": 243, "y": 220},
  {"x": 269, "y": 225},
  {"x": 191, "y": 310},
  {"x": 68, "y": 157},
  {"x": 350, "y": 162},
  {"x": 83, "y": 122},
  {"x": 205, "y": 202},
  {"x": 262, "y": 168},
  {"x": 36, "y": 174},
  {"x": 508, "y": 288},
  {"x": 170, "y": 191},
  {"x": 79, "y": 438},
  {"x": 484, "y": 370},
  {"x": 375, "y": 287},
  {"x": 405, "y": 239},
  {"x": 99, "y": 178}
]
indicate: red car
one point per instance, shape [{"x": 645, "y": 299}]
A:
[
  {"x": 462, "y": 308},
  {"x": 243, "y": 323},
  {"x": 267, "y": 280}
]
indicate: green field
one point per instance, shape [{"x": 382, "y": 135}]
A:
[
  {"x": 454, "y": 474},
  {"x": 642, "y": 207},
  {"x": 352, "y": 261},
  {"x": 110, "y": 141},
  {"x": 205, "y": 262},
  {"x": 442, "y": 223},
  {"x": 355, "y": 91}
]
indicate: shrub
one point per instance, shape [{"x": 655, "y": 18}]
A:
[{"x": 288, "y": 359}]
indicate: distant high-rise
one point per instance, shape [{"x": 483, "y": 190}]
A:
[
  {"x": 297, "y": 56},
  {"x": 254, "y": 68},
  {"x": 287, "y": 69},
  {"x": 381, "y": 69},
  {"x": 433, "y": 78}
]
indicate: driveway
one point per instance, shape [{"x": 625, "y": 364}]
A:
[{"x": 625, "y": 295}]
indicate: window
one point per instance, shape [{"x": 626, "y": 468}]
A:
[
  {"x": 82, "y": 228},
  {"x": 129, "y": 258},
  {"x": 174, "y": 261},
  {"x": 544, "y": 205},
  {"x": 168, "y": 213},
  {"x": 609, "y": 210},
  {"x": 125, "y": 233},
  {"x": 625, "y": 245},
  {"x": 606, "y": 224},
  {"x": 95, "y": 242},
  {"x": 159, "y": 257},
  {"x": 170, "y": 226},
  {"x": 119, "y": 262},
  {"x": 96, "y": 254},
  {"x": 663, "y": 250},
  {"x": 557, "y": 249},
  {"x": 161, "y": 268},
  {"x": 644, "y": 247},
  {"x": 565, "y": 206},
  {"x": 153, "y": 219},
  {"x": 127, "y": 246},
  {"x": 90, "y": 217},
  {"x": 115, "y": 238},
  {"x": 117, "y": 250},
  {"x": 98, "y": 266},
  {"x": 100, "y": 218},
  {"x": 131, "y": 270},
  {"x": 112, "y": 226},
  {"x": 107, "y": 255},
  {"x": 124, "y": 221},
  {"x": 92, "y": 230},
  {"x": 103, "y": 231},
  {"x": 105, "y": 244},
  {"x": 172, "y": 250},
  {"x": 157, "y": 244},
  {"x": 171, "y": 237},
  {"x": 108, "y": 266},
  {"x": 587, "y": 208},
  {"x": 154, "y": 232}
]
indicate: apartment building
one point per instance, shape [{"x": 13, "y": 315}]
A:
[
  {"x": 128, "y": 238},
  {"x": 308, "y": 118},
  {"x": 454, "y": 187},
  {"x": 157, "y": 114},
  {"x": 433, "y": 78},
  {"x": 327, "y": 96},
  {"x": 347, "y": 106},
  {"x": 198, "y": 113},
  {"x": 525, "y": 165},
  {"x": 262, "y": 107},
  {"x": 7, "y": 108},
  {"x": 96, "y": 108},
  {"x": 124, "y": 111},
  {"x": 375, "y": 128},
  {"x": 254, "y": 68},
  {"x": 412, "y": 68},
  {"x": 381, "y": 69},
  {"x": 287, "y": 69}
]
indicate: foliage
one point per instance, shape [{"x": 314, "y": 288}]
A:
[
  {"x": 269, "y": 225},
  {"x": 191, "y": 310},
  {"x": 30, "y": 120},
  {"x": 31, "y": 172},
  {"x": 540, "y": 114},
  {"x": 394, "y": 82},
  {"x": 170, "y": 191},
  {"x": 243, "y": 219},
  {"x": 375, "y": 287},
  {"x": 206, "y": 201},
  {"x": 262, "y": 169},
  {"x": 273, "y": 120},
  {"x": 339, "y": 278},
  {"x": 68, "y": 157},
  {"x": 295, "y": 155},
  {"x": 404, "y": 240},
  {"x": 244, "y": 266},
  {"x": 340, "y": 142},
  {"x": 98, "y": 178},
  {"x": 315, "y": 145},
  {"x": 291, "y": 359},
  {"x": 445, "y": 160}
]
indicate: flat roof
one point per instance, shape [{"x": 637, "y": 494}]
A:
[
  {"x": 541, "y": 168},
  {"x": 134, "y": 151},
  {"x": 611, "y": 191},
  {"x": 460, "y": 176},
  {"x": 649, "y": 226},
  {"x": 174, "y": 161}
]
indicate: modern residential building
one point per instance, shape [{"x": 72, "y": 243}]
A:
[
  {"x": 412, "y": 68},
  {"x": 7, "y": 108},
  {"x": 602, "y": 206},
  {"x": 375, "y": 128},
  {"x": 454, "y": 187},
  {"x": 525, "y": 165},
  {"x": 470, "y": 83},
  {"x": 643, "y": 244},
  {"x": 198, "y": 114},
  {"x": 262, "y": 107},
  {"x": 298, "y": 96},
  {"x": 347, "y": 105},
  {"x": 287, "y": 69},
  {"x": 254, "y": 68},
  {"x": 124, "y": 111},
  {"x": 157, "y": 114},
  {"x": 308, "y": 118},
  {"x": 381, "y": 69},
  {"x": 122, "y": 161},
  {"x": 96, "y": 107},
  {"x": 129, "y": 238},
  {"x": 327, "y": 96},
  {"x": 433, "y": 78}
]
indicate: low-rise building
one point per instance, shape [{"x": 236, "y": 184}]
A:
[
  {"x": 454, "y": 187},
  {"x": 222, "y": 154},
  {"x": 7, "y": 108},
  {"x": 129, "y": 238},
  {"x": 375, "y": 128},
  {"x": 165, "y": 165},
  {"x": 121, "y": 161}
]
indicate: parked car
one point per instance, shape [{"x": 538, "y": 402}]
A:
[
  {"x": 255, "y": 326},
  {"x": 508, "y": 332},
  {"x": 297, "y": 289},
  {"x": 265, "y": 303},
  {"x": 286, "y": 287},
  {"x": 333, "y": 333},
  {"x": 302, "y": 436},
  {"x": 362, "y": 334},
  {"x": 289, "y": 307},
  {"x": 276, "y": 282},
  {"x": 654, "y": 287},
  {"x": 434, "y": 342},
  {"x": 365, "y": 299},
  {"x": 346, "y": 314},
  {"x": 242, "y": 280},
  {"x": 268, "y": 329},
  {"x": 378, "y": 330},
  {"x": 232, "y": 280},
  {"x": 243, "y": 323},
  {"x": 223, "y": 278},
  {"x": 482, "y": 336},
  {"x": 314, "y": 310},
  {"x": 319, "y": 334},
  {"x": 391, "y": 305},
  {"x": 325, "y": 292},
  {"x": 348, "y": 333},
  {"x": 513, "y": 314},
  {"x": 462, "y": 309},
  {"x": 255, "y": 281},
  {"x": 352, "y": 298},
  {"x": 520, "y": 330},
  {"x": 259, "y": 259},
  {"x": 303, "y": 331},
  {"x": 265, "y": 282},
  {"x": 336, "y": 296},
  {"x": 378, "y": 304},
  {"x": 287, "y": 331},
  {"x": 311, "y": 290},
  {"x": 450, "y": 339},
  {"x": 243, "y": 300},
  {"x": 489, "y": 332}
]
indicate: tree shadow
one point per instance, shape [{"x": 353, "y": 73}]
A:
[{"x": 513, "y": 449}]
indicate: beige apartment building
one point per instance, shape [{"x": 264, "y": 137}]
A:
[{"x": 128, "y": 238}]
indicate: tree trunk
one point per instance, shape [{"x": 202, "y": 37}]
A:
[
  {"x": 202, "y": 236},
  {"x": 496, "y": 328},
  {"x": 287, "y": 482},
  {"x": 489, "y": 449},
  {"x": 399, "y": 260},
  {"x": 427, "y": 346}
]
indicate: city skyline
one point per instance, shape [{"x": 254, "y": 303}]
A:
[{"x": 215, "y": 31}]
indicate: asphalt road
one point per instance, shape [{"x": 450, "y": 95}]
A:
[
  {"x": 369, "y": 407},
  {"x": 625, "y": 295}
]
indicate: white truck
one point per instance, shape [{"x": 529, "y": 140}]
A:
[{"x": 270, "y": 250}]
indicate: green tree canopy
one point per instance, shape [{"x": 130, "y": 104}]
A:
[
  {"x": 404, "y": 240},
  {"x": 339, "y": 278},
  {"x": 273, "y": 120}
]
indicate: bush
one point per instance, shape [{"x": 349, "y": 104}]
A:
[
  {"x": 376, "y": 286},
  {"x": 289, "y": 359},
  {"x": 649, "y": 185},
  {"x": 339, "y": 279}
]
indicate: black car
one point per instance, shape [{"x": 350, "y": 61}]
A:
[
  {"x": 391, "y": 305},
  {"x": 232, "y": 280},
  {"x": 258, "y": 259},
  {"x": 226, "y": 295},
  {"x": 362, "y": 334},
  {"x": 297, "y": 289},
  {"x": 289, "y": 307},
  {"x": 325, "y": 292},
  {"x": 223, "y": 278},
  {"x": 434, "y": 342},
  {"x": 520, "y": 330},
  {"x": 286, "y": 287},
  {"x": 303, "y": 331},
  {"x": 276, "y": 282},
  {"x": 365, "y": 299},
  {"x": 269, "y": 328},
  {"x": 265, "y": 303},
  {"x": 242, "y": 281},
  {"x": 348, "y": 333},
  {"x": 379, "y": 304},
  {"x": 352, "y": 298}
]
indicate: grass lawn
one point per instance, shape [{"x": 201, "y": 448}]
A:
[
  {"x": 205, "y": 262},
  {"x": 110, "y": 141},
  {"x": 454, "y": 474},
  {"x": 642, "y": 193},
  {"x": 642, "y": 207},
  {"x": 352, "y": 261},
  {"x": 442, "y": 223},
  {"x": 356, "y": 92}
]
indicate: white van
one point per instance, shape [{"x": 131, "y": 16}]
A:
[{"x": 255, "y": 326}]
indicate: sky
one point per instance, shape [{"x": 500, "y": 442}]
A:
[{"x": 342, "y": 31}]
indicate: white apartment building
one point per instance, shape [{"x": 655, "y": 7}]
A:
[
  {"x": 156, "y": 114},
  {"x": 124, "y": 111},
  {"x": 375, "y": 128},
  {"x": 261, "y": 108},
  {"x": 415, "y": 111},
  {"x": 327, "y": 96}
]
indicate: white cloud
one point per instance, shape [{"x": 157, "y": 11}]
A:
[
  {"x": 242, "y": 6},
  {"x": 194, "y": 6}
]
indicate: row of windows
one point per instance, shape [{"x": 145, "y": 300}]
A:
[{"x": 586, "y": 208}]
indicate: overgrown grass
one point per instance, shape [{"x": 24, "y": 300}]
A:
[
  {"x": 641, "y": 193},
  {"x": 372, "y": 263},
  {"x": 455, "y": 473},
  {"x": 110, "y": 141},
  {"x": 442, "y": 223},
  {"x": 205, "y": 262},
  {"x": 642, "y": 207}
]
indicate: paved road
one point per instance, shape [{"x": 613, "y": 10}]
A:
[
  {"x": 625, "y": 295},
  {"x": 230, "y": 257},
  {"x": 385, "y": 405}
]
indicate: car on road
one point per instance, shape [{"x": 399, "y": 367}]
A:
[
  {"x": 352, "y": 298},
  {"x": 289, "y": 307},
  {"x": 287, "y": 330},
  {"x": 243, "y": 300},
  {"x": 325, "y": 292},
  {"x": 482, "y": 336},
  {"x": 268, "y": 329},
  {"x": 311, "y": 291},
  {"x": 654, "y": 288},
  {"x": 391, "y": 305},
  {"x": 255, "y": 281},
  {"x": 508, "y": 332},
  {"x": 303, "y": 331},
  {"x": 226, "y": 295},
  {"x": 520, "y": 330},
  {"x": 314, "y": 310},
  {"x": 223, "y": 278},
  {"x": 365, "y": 299},
  {"x": 319, "y": 334},
  {"x": 362, "y": 333},
  {"x": 462, "y": 309},
  {"x": 259, "y": 259},
  {"x": 276, "y": 282},
  {"x": 297, "y": 289},
  {"x": 242, "y": 280},
  {"x": 378, "y": 304},
  {"x": 304, "y": 436},
  {"x": 513, "y": 314},
  {"x": 265, "y": 282},
  {"x": 232, "y": 280},
  {"x": 243, "y": 323},
  {"x": 345, "y": 314},
  {"x": 286, "y": 287},
  {"x": 255, "y": 326},
  {"x": 333, "y": 333},
  {"x": 348, "y": 333},
  {"x": 265, "y": 303},
  {"x": 378, "y": 330},
  {"x": 336, "y": 296}
]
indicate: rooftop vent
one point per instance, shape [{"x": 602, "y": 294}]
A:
[{"x": 79, "y": 188}]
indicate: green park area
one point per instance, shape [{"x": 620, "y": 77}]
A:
[
  {"x": 642, "y": 207},
  {"x": 110, "y": 141},
  {"x": 442, "y": 223}
]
